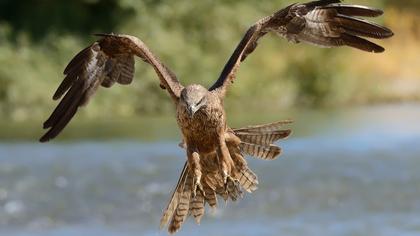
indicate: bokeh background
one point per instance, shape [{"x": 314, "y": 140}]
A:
[{"x": 352, "y": 166}]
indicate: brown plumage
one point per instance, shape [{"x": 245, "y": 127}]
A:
[
  {"x": 108, "y": 61},
  {"x": 325, "y": 23},
  {"x": 212, "y": 180},
  {"x": 215, "y": 153}
]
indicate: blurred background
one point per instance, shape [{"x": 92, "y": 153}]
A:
[{"x": 351, "y": 167}]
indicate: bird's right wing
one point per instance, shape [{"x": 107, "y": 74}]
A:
[
  {"x": 324, "y": 23},
  {"x": 107, "y": 61}
]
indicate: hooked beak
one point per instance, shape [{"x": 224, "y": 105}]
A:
[{"x": 192, "y": 110}]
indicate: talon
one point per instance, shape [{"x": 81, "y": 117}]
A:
[
  {"x": 227, "y": 178},
  {"x": 230, "y": 179}
]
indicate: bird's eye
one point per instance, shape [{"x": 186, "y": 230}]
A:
[{"x": 201, "y": 101}]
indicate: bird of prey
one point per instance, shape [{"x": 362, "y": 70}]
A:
[{"x": 215, "y": 152}]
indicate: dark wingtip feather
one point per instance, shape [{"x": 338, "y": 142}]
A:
[
  {"x": 77, "y": 60},
  {"x": 63, "y": 113},
  {"x": 100, "y": 34},
  {"x": 105, "y": 34},
  {"x": 356, "y": 10},
  {"x": 45, "y": 125},
  {"x": 44, "y": 139},
  {"x": 60, "y": 123},
  {"x": 362, "y": 44},
  {"x": 321, "y": 3},
  {"x": 364, "y": 28},
  {"x": 64, "y": 86}
]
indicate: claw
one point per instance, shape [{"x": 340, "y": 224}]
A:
[{"x": 227, "y": 178}]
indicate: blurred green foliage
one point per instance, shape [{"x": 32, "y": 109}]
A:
[
  {"x": 39, "y": 18},
  {"x": 194, "y": 38}
]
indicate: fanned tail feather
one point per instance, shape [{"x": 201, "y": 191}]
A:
[
  {"x": 197, "y": 207},
  {"x": 182, "y": 210},
  {"x": 233, "y": 189},
  {"x": 210, "y": 197},
  {"x": 173, "y": 202},
  {"x": 182, "y": 203},
  {"x": 248, "y": 180}
]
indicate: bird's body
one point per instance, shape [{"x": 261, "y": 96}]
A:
[
  {"x": 215, "y": 163},
  {"x": 202, "y": 120},
  {"x": 201, "y": 130}
]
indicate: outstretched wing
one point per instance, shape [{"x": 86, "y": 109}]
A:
[
  {"x": 108, "y": 61},
  {"x": 325, "y": 23}
]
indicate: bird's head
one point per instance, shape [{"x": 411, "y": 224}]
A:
[{"x": 194, "y": 97}]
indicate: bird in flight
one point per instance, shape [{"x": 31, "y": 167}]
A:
[{"x": 215, "y": 152}]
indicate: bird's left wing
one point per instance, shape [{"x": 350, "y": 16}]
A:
[
  {"x": 324, "y": 23},
  {"x": 107, "y": 61}
]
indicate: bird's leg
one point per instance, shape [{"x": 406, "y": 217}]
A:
[
  {"x": 233, "y": 142},
  {"x": 195, "y": 167},
  {"x": 232, "y": 139},
  {"x": 225, "y": 160}
]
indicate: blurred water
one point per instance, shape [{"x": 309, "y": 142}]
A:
[{"x": 357, "y": 173}]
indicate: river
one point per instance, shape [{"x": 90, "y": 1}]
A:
[{"x": 346, "y": 172}]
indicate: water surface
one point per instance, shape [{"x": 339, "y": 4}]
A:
[{"x": 346, "y": 172}]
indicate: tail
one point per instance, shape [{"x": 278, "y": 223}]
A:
[
  {"x": 255, "y": 141},
  {"x": 176, "y": 207},
  {"x": 182, "y": 203}
]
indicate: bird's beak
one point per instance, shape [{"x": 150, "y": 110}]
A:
[{"x": 192, "y": 110}]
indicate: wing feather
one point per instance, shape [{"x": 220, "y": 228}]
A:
[
  {"x": 126, "y": 64},
  {"x": 355, "y": 10},
  {"x": 360, "y": 27},
  {"x": 324, "y": 23},
  {"x": 263, "y": 138},
  {"x": 108, "y": 61},
  {"x": 79, "y": 93},
  {"x": 73, "y": 70},
  {"x": 265, "y": 128},
  {"x": 269, "y": 152}
]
